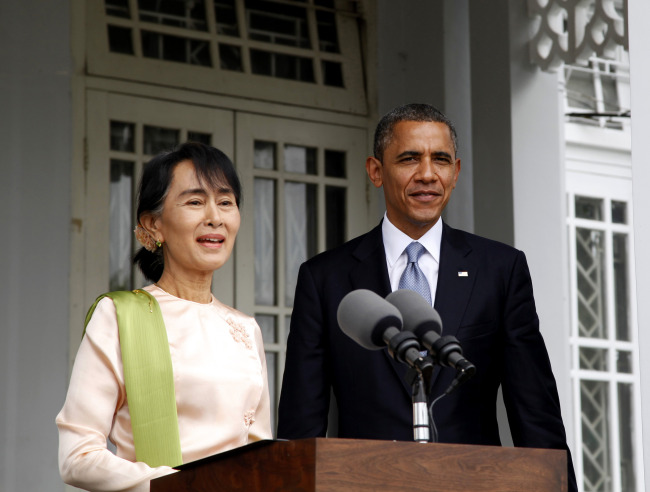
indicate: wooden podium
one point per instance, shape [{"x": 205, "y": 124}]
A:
[{"x": 365, "y": 465}]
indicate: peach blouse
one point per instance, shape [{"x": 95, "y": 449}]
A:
[{"x": 222, "y": 394}]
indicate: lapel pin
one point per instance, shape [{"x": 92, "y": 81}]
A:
[{"x": 463, "y": 274}]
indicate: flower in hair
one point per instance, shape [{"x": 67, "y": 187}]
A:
[{"x": 145, "y": 238}]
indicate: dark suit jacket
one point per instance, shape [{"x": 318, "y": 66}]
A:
[{"x": 491, "y": 311}]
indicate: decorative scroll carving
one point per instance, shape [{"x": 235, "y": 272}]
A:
[{"x": 570, "y": 31}]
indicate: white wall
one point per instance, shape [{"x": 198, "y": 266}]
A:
[
  {"x": 539, "y": 199},
  {"x": 35, "y": 138},
  {"x": 639, "y": 20},
  {"x": 518, "y": 171}
]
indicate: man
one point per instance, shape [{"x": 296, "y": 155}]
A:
[{"x": 482, "y": 291}]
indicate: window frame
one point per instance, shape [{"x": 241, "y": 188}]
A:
[{"x": 351, "y": 98}]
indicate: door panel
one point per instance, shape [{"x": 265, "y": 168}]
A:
[
  {"x": 125, "y": 132},
  {"x": 305, "y": 192}
]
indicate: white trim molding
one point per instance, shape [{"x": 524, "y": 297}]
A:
[{"x": 569, "y": 31}]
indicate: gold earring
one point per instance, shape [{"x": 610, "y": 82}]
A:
[{"x": 158, "y": 244}]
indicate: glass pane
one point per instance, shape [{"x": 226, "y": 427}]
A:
[
  {"x": 118, "y": 8},
  {"x": 335, "y": 222},
  {"x": 589, "y": 208},
  {"x": 619, "y": 212},
  {"x": 267, "y": 325},
  {"x": 624, "y": 361},
  {"x": 590, "y": 274},
  {"x": 300, "y": 232},
  {"x": 328, "y": 39},
  {"x": 334, "y": 164},
  {"x": 120, "y": 40},
  {"x": 593, "y": 359},
  {"x": 594, "y": 403},
  {"x": 626, "y": 435},
  {"x": 120, "y": 225},
  {"x": 264, "y": 155},
  {"x": 287, "y": 327},
  {"x": 122, "y": 136},
  {"x": 332, "y": 73},
  {"x": 204, "y": 138},
  {"x": 175, "y": 48},
  {"x": 188, "y": 14},
  {"x": 277, "y": 23},
  {"x": 580, "y": 90},
  {"x": 610, "y": 91},
  {"x": 271, "y": 369},
  {"x": 282, "y": 66},
  {"x": 157, "y": 139},
  {"x": 621, "y": 291},
  {"x": 300, "y": 159},
  {"x": 225, "y": 11},
  {"x": 264, "y": 242},
  {"x": 230, "y": 57}
]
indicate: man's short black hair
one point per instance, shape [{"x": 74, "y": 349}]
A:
[{"x": 409, "y": 112}]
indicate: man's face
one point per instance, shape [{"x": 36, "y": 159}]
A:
[{"x": 418, "y": 171}]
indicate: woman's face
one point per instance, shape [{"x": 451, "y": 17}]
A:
[{"x": 198, "y": 225}]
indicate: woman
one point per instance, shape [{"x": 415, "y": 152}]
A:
[{"x": 188, "y": 218}]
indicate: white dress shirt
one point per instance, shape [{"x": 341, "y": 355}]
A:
[{"x": 395, "y": 243}]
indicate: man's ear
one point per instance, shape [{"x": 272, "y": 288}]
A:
[
  {"x": 456, "y": 172},
  {"x": 374, "y": 169},
  {"x": 152, "y": 225}
]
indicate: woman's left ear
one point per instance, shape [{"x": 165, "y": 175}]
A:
[{"x": 151, "y": 224}]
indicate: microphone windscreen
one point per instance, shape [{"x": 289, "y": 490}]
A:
[
  {"x": 418, "y": 316},
  {"x": 364, "y": 316}
]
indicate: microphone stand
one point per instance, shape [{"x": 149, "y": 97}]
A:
[
  {"x": 419, "y": 377},
  {"x": 404, "y": 347}
]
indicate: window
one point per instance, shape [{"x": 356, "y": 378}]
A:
[
  {"x": 597, "y": 91},
  {"x": 127, "y": 133},
  {"x": 307, "y": 187},
  {"x": 125, "y": 168},
  {"x": 604, "y": 348},
  {"x": 312, "y": 43}
]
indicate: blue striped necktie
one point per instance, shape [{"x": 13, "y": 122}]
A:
[{"x": 413, "y": 278}]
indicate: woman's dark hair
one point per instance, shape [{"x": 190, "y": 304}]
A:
[{"x": 213, "y": 169}]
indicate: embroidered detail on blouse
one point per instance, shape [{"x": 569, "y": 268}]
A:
[
  {"x": 249, "y": 417},
  {"x": 239, "y": 333}
]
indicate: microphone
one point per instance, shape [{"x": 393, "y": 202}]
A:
[
  {"x": 374, "y": 323},
  {"x": 424, "y": 321}
]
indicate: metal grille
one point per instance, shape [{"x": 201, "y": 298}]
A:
[{"x": 605, "y": 368}]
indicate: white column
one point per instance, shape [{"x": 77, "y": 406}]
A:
[
  {"x": 639, "y": 37},
  {"x": 518, "y": 167},
  {"x": 35, "y": 138}
]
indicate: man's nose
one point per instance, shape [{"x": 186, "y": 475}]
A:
[{"x": 428, "y": 170}]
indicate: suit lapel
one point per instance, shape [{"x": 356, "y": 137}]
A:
[
  {"x": 456, "y": 278},
  {"x": 372, "y": 273}
]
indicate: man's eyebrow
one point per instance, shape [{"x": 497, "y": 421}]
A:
[
  {"x": 415, "y": 153},
  {"x": 409, "y": 153},
  {"x": 442, "y": 154}
]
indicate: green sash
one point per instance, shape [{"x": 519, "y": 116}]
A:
[{"x": 148, "y": 376}]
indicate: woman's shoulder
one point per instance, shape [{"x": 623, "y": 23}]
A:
[{"x": 229, "y": 312}]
